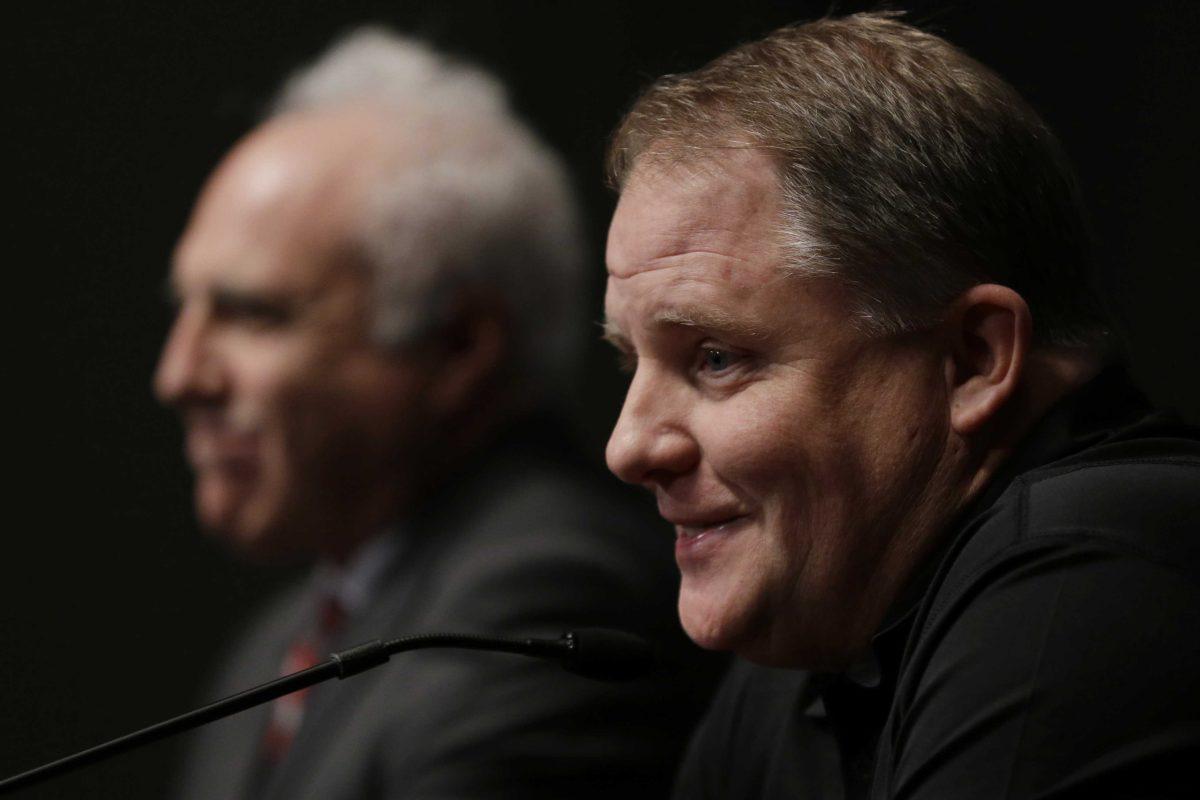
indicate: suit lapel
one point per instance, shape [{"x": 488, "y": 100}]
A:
[{"x": 336, "y": 707}]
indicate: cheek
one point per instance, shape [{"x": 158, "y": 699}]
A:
[
  {"x": 366, "y": 416},
  {"x": 269, "y": 378},
  {"x": 893, "y": 440},
  {"x": 804, "y": 460},
  {"x": 907, "y": 424},
  {"x": 294, "y": 401},
  {"x": 775, "y": 457},
  {"x": 753, "y": 442}
]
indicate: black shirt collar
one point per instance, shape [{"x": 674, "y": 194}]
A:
[{"x": 1079, "y": 420}]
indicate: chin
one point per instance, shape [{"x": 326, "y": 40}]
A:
[
  {"x": 258, "y": 546},
  {"x": 236, "y": 537},
  {"x": 249, "y": 532},
  {"x": 707, "y": 623},
  {"x": 737, "y": 628}
]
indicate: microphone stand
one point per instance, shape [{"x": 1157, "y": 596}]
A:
[{"x": 607, "y": 655}]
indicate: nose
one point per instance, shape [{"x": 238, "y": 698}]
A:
[
  {"x": 188, "y": 369},
  {"x": 651, "y": 442}
]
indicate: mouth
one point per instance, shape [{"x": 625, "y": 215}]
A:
[
  {"x": 699, "y": 541},
  {"x": 692, "y": 530},
  {"x": 208, "y": 447}
]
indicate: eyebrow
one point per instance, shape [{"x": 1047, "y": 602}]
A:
[
  {"x": 709, "y": 319},
  {"x": 705, "y": 319}
]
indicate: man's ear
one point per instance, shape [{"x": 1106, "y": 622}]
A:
[
  {"x": 990, "y": 330},
  {"x": 471, "y": 351}
]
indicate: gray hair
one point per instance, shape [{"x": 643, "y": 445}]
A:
[
  {"x": 480, "y": 208},
  {"x": 908, "y": 170}
]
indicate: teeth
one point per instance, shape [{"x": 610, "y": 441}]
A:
[{"x": 692, "y": 531}]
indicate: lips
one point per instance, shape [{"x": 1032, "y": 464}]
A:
[
  {"x": 697, "y": 517},
  {"x": 698, "y": 524},
  {"x": 700, "y": 541},
  {"x": 212, "y": 446},
  {"x": 696, "y": 528}
]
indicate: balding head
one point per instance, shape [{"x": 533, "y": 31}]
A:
[
  {"x": 297, "y": 183},
  {"x": 367, "y": 282}
]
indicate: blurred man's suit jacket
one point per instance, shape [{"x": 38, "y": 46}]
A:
[{"x": 527, "y": 542}]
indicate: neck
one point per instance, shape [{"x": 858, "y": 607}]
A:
[
  {"x": 968, "y": 465},
  {"x": 353, "y": 530},
  {"x": 1050, "y": 375}
]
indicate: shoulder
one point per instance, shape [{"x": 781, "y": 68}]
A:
[
  {"x": 1057, "y": 644},
  {"x": 1145, "y": 502},
  {"x": 1137, "y": 500},
  {"x": 1100, "y": 523}
]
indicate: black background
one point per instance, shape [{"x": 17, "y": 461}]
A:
[{"x": 112, "y": 603}]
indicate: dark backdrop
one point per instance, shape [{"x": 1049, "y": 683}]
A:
[{"x": 113, "y": 604}]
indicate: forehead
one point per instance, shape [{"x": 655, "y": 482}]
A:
[
  {"x": 725, "y": 206},
  {"x": 698, "y": 247},
  {"x": 278, "y": 210}
]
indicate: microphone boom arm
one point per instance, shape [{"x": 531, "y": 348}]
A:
[{"x": 616, "y": 656}]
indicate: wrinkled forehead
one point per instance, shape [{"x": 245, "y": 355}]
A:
[{"x": 726, "y": 203}]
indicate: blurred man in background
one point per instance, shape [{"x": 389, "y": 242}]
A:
[
  {"x": 379, "y": 292},
  {"x": 875, "y": 392}
]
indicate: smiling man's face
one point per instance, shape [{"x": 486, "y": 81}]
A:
[{"x": 791, "y": 451}]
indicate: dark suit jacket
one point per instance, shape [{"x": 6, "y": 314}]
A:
[{"x": 525, "y": 543}]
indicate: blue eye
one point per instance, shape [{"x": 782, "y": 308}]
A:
[{"x": 714, "y": 360}]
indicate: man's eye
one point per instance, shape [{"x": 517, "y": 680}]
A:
[
  {"x": 714, "y": 360},
  {"x": 256, "y": 312}
]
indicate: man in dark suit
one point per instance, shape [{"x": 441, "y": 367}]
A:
[{"x": 378, "y": 291}]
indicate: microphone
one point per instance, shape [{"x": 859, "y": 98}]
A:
[
  {"x": 608, "y": 655},
  {"x": 597, "y": 653}
]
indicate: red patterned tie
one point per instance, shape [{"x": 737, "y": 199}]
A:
[{"x": 307, "y": 650}]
